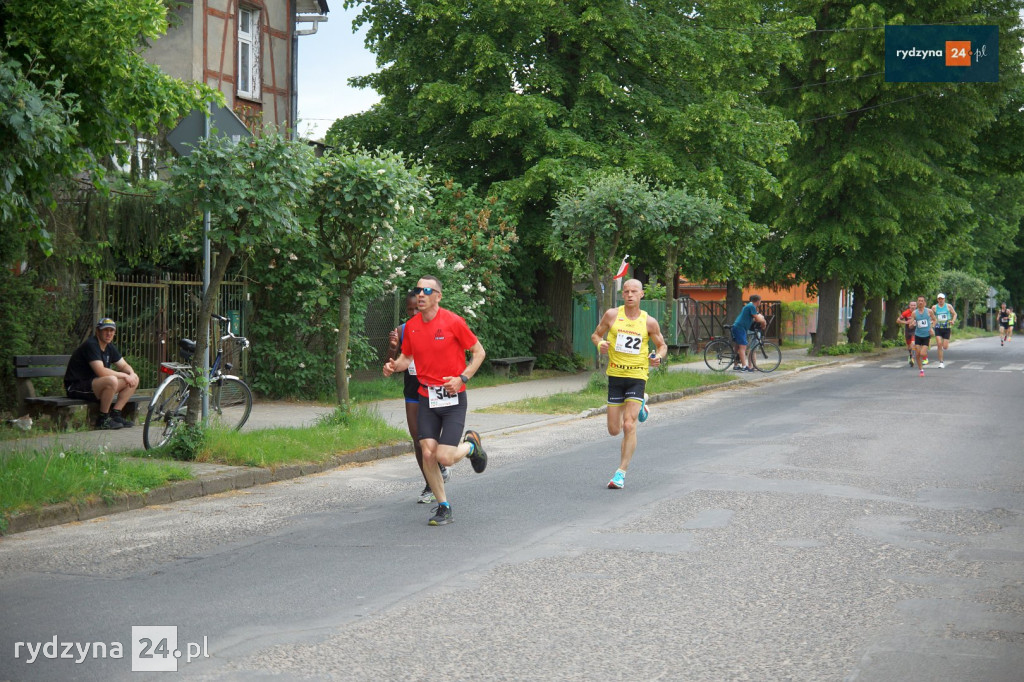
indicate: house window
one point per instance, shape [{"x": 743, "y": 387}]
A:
[{"x": 248, "y": 53}]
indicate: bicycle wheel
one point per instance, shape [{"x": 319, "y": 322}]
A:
[
  {"x": 166, "y": 412},
  {"x": 767, "y": 356},
  {"x": 230, "y": 403},
  {"x": 719, "y": 355}
]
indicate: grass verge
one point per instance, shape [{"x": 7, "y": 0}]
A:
[
  {"x": 35, "y": 479},
  {"x": 338, "y": 433},
  {"x": 596, "y": 393}
]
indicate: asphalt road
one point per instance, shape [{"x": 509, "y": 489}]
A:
[{"x": 848, "y": 523}]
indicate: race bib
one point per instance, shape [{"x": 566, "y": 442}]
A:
[
  {"x": 439, "y": 397},
  {"x": 412, "y": 368},
  {"x": 628, "y": 343},
  {"x": 922, "y": 324},
  {"x": 943, "y": 317}
]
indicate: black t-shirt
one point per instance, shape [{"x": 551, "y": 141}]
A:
[
  {"x": 1004, "y": 318},
  {"x": 78, "y": 366}
]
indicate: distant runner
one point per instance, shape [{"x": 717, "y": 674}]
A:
[
  {"x": 1003, "y": 319},
  {"x": 924, "y": 321},
  {"x": 906, "y": 319},
  {"x": 945, "y": 318}
]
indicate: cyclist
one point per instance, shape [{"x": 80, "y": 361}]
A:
[
  {"x": 411, "y": 391},
  {"x": 945, "y": 318},
  {"x": 745, "y": 322},
  {"x": 623, "y": 334}
]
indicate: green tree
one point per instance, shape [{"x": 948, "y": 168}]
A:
[
  {"x": 253, "y": 190},
  {"x": 358, "y": 197},
  {"x": 597, "y": 223},
  {"x": 962, "y": 289},
  {"x": 522, "y": 98},
  {"x": 74, "y": 85},
  {"x": 686, "y": 241},
  {"x": 873, "y": 189},
  {"x": 468, "y": 242},
  {"x": 37, "y": 144}
]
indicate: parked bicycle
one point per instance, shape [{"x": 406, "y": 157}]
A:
[
  {"x": 230, "y": 397},
  {"x": 721, "y": 354}
]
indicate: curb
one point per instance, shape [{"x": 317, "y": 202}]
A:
[{"x": 248, "y": 477}]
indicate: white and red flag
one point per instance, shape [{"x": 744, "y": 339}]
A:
[{"x": 623, "y": 269}]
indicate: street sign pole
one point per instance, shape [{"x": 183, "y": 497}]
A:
[
  {"x": 185, "y": 137},
  {"x": 205, "y": 393}
]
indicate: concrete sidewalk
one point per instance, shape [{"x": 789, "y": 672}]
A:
[{"x": 217, "y": 478}]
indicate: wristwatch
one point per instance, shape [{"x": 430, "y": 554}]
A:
[{"x": 464, "y": 378}]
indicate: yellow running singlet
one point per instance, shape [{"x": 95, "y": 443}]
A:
[{"x": 627, "y": 346}]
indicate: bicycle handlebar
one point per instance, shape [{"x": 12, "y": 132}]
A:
[{"x": 230, "y": 335}]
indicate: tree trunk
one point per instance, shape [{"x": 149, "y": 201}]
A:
[
  {"x": 670, "y": 294},
  {"x": 856, "y": 333},
  {"x": 554, "y": 286},
  {"x": 891, "y": 330},
  {"x": 733, "y": 301},
  {"x": 341, "y": 355},
  {"x": 828, "y": 314},
  {"x": 207, "y": 306},
  {"x": 874, "y": 322}
]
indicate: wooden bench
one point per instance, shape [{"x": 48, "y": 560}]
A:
[
  {"x": 678, "y": 348},
  {"x": 28, "y": 367},
  {"x": 523, "y": 365}
]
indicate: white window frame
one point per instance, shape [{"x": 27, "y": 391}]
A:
[{"x": 248, "y": 76}]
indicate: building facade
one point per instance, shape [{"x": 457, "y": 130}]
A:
[{"x": 246, "y": 49}]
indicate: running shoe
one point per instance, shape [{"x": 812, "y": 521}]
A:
[
  {"x": 446, "y": 473},
  {"x": 442, "y": 515},
  {"x": 922, "y": 372},
  {"x": 427, "y": 496},
  {"x": 925, "y": 360},
  {"x": 739, "y": 368},
  {"x": 911, "y": 361},
  {"x": 644, "y": 412},
  {"x": 942, "y": 365},
  {"x": 618, "y": 480},
  {"x": 478, "y": 458}
]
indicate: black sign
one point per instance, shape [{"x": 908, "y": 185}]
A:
[{"x": 223, "y": 123}]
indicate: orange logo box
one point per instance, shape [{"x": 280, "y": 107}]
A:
[{"x": 958, "y": 53}]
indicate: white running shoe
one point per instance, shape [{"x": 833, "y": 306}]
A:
[{"x": 942, "y": 365}]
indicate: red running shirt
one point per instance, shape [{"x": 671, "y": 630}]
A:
[{"x": 437, "y": 347}]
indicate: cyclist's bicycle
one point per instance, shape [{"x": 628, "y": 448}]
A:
[
  {"x": 720, "y": 354},
  {"x": 230, "y": 397}
]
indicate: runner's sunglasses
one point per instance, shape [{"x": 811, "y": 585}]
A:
[{"x": 427, "y": 291}]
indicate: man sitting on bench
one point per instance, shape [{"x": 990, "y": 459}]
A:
[{"x": 90, "y": 376}]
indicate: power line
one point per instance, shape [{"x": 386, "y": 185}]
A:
[{"x": 855, "y": 111}]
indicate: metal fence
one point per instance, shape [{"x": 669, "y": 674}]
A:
[{"x": 153, "y": 314}]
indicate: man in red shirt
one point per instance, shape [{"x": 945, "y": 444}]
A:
[
  {"x": 437, "y": 340},
  {"x": 906, "y": 319}
]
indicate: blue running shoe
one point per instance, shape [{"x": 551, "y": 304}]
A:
[
  {"x": 618, "y": 480},
  {"x": 644, "y": 412}
]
